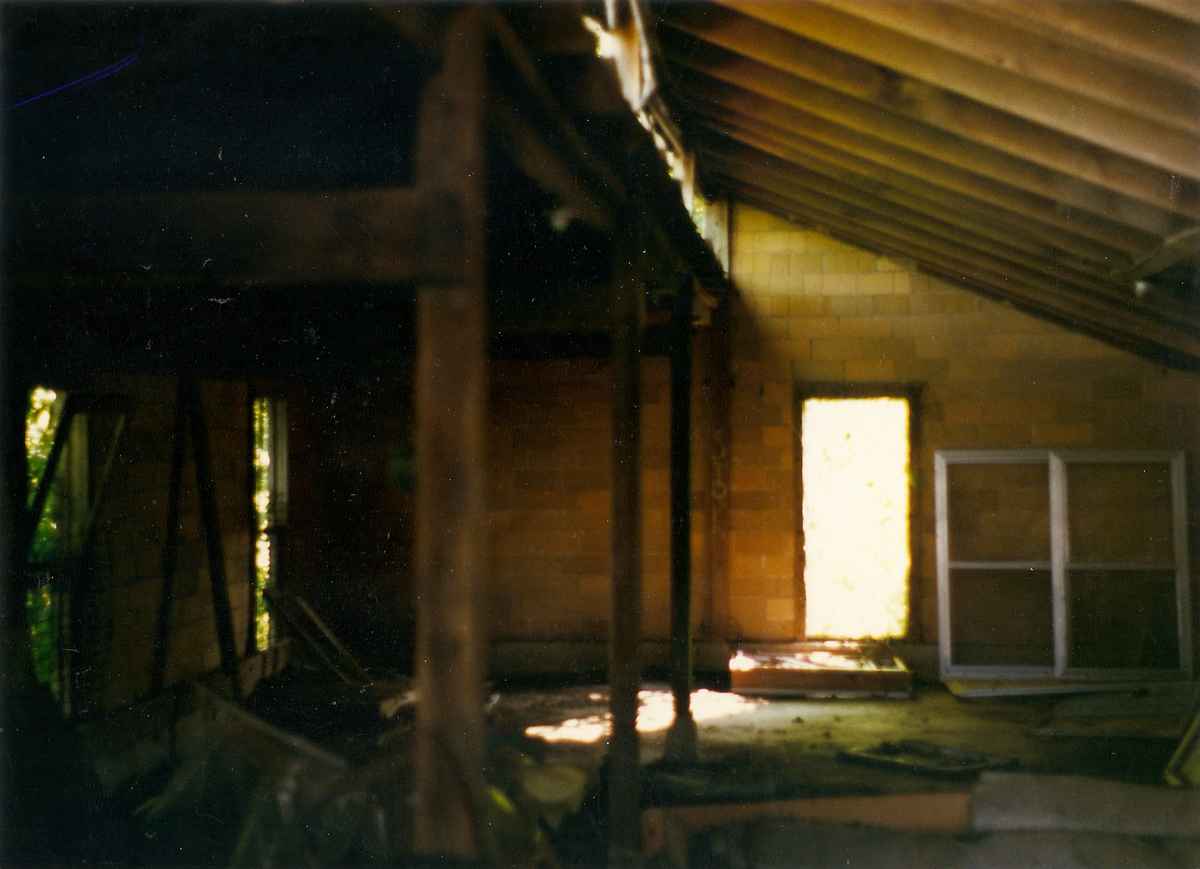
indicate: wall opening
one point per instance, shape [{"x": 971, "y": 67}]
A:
[
  {"x": 269, "y": 504},
  {"x": 55, "y": 538},
  {"x": 855, "y": 508}
]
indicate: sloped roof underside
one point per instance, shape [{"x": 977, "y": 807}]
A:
[{"x": 1047, "y": 153}]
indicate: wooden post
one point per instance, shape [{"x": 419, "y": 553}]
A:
[
  {"x": 451, "y": 408},
  {"x": 624, "y": 665},
  {"x": 718, "y": 231},
  {"x": 14, "y": 488},
  {"x": 207, "y": 486},
  {"x": 681, "y": 739},
  {"x": 170, "y": 561}
]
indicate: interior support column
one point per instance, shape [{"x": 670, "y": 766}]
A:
[
  {"x": 624, "y": 666},
  {"x": 681, "y": 739},
  {"x": 451, "y": 408}
]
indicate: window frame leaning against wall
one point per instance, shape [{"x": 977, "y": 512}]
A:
[{"x": 1060, "y": 564}]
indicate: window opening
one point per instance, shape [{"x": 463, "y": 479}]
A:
[
  {"x": 855, "y": 480},
  {"x": 46, "y": 597},
  {"x": 269, "y": 503}
]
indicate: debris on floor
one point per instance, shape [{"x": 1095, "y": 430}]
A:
[
  {"x": 915, "y": 755},
  {"x": 820, "y": 669}
]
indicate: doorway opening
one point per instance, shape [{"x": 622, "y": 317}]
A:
[{"x": 855, "y": 481}]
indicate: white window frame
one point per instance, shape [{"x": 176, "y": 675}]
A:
[{"x": 1060, "y": 563}]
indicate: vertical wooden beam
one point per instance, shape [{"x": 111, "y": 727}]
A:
[
  {"x": 14, "y": 490},
  {"x": 624, "y": 666},
  {"x": 681, "y": 739},
  {"x": 170, "y": 560},
  {"x": 451, "y": 408},
  {"x": 719, "y": 227},
  {"x": 206, "y": 484}
]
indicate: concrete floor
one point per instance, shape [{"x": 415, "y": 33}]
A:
[
  {"x": 781, "y": 748},
  {"x": 798, "y": 740}
]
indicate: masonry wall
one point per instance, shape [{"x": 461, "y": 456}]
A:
[
  {"x": 811, "y": 309},
  {"x": 550, "y": 471},
  {"x": 132, "y": 530},
  {"x": 349, "y": 541}
]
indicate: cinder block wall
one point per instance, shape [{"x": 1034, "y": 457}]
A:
[
  {"x": 132, "y": 531},
  {"x": 550, "y": 471},
  {"x": 350, "y": 513},
  {"x": 813, "y": 309}
]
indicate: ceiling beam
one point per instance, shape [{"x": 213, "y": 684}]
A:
[
  {"x": 1016, "y": 56},
  {"x": 790, "y": 39},
  {"x": 921, "y": 117},
  {"x": 915, "y": 191},
  {"x": 234, "y": 239},
  {"x": 845, "y": 26},
  {"x": 775, "y": 161},
  {"x": 1124, "y": 30},
  {"x": 1188, "y": 10},
  {"x": 1128, "y": 328},
  {"x": 1094, "y": 213}
]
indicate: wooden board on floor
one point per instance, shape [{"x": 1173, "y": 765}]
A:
[{"x": 942, "y": 812}]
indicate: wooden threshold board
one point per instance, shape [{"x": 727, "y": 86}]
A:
[{"x": 830, "y": 668}]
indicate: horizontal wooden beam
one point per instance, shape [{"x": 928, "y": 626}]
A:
[
  {"x": 869, "y": 31},
  {"x": 1132, "y": 328},
  {"x": 371, "y": 236},
  {"x": 1187, "y": 10},
  {"x": 805, "y": 42},
  {"x": 912, "y": 192},
  {"x": 1124, "y": 30},
  {"x": 897, "y": 117},
  {"x": 1077, "y": 71}
]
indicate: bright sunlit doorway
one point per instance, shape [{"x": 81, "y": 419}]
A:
[{"x": 855, "y": 491}]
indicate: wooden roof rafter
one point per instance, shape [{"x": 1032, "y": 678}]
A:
[{"x": 1026, "y": 144}]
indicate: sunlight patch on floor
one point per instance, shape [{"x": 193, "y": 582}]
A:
[{"x": 656, "y": 712}]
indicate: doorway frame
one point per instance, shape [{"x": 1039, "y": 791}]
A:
[{"x": 909, "y": 391}]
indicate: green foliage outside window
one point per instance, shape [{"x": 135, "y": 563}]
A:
[
  {"x": 263, "y": 425},
  {"x": 42, "y": 600}
]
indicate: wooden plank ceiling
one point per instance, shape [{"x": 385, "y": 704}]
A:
[{"x": 1046, "y": 153}]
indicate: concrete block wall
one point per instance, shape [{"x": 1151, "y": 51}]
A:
[
  {"x": 349, "y": 544},
  {"x": 810, "y": 308},
  {"x": 132, "y": 530},
  {"x": 550, "y": 471}
]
